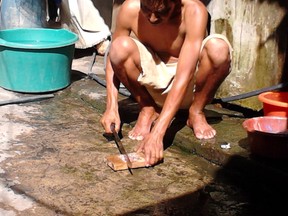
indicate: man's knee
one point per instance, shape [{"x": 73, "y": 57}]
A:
[
  {"x": 218, "y": 52},
  {"x": 121, "y": 48}
]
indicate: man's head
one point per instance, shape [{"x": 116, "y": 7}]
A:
[{"x": 158, "y": 11}]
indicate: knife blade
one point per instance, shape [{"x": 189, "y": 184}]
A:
[{"x": 121, "y": 147}]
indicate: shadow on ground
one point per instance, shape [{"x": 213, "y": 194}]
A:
[
  {"x": 242, "y": 186},
  {"x": 232, "y": 192}
]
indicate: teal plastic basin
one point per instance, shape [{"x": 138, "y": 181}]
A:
[{"x": 36, "y": 60}]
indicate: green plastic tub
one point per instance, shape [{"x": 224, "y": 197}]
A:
[{"x": 35, "y": 60}]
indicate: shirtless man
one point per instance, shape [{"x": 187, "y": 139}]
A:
[{"x": 169, "y": 67}]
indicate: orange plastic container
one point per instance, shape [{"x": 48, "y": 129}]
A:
[{"x": 274, "y": 103}]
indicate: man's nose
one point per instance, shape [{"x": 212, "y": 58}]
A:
[{"x": 153, "y": 18}]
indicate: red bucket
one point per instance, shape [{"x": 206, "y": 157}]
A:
[
  {"x": 268, "y": 136},
  {"x": 274, "y": 103}
]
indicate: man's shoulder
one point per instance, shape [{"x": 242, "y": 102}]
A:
[
  {"x": 193, "y": 4},
  {"x": 131, "y": 4},
  {"x": 130, "y": 8},
  {"x": 194, "y": 7}
]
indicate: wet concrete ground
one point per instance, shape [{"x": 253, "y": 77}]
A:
[{"x": 52, "y": 156}]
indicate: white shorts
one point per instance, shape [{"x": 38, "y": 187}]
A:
[{"x": 157, "y": 76}]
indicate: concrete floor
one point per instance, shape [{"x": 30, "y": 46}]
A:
[{"x": 52, "y": 160}]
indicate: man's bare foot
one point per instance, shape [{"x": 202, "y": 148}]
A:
[
  {"x": 201, "y": 128},
  {"x": 143, "y": 125}
]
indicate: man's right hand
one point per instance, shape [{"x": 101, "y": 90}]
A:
[{"x": 108, "y": 118}]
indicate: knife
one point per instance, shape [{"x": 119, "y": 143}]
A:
[{"x": 121, "y": 147}]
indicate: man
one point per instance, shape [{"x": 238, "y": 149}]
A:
[{"x": 169, "y": 67}]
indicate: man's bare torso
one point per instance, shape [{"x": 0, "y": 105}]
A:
[{"x": 166, "y": 39}]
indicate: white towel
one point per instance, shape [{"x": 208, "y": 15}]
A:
[{"x": 81, "y": 17}]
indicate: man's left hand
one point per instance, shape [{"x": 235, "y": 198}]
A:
[{"x": 152, "y": 146}]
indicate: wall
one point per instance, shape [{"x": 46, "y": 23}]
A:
[{"x": 257, "y": 31}]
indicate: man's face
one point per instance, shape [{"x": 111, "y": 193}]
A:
[{"x": 157, "y": 11}]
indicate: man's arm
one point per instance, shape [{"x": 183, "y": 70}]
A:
[
  {"x": 123, "y": 28},
  {"x": 195, "y": 20}
]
